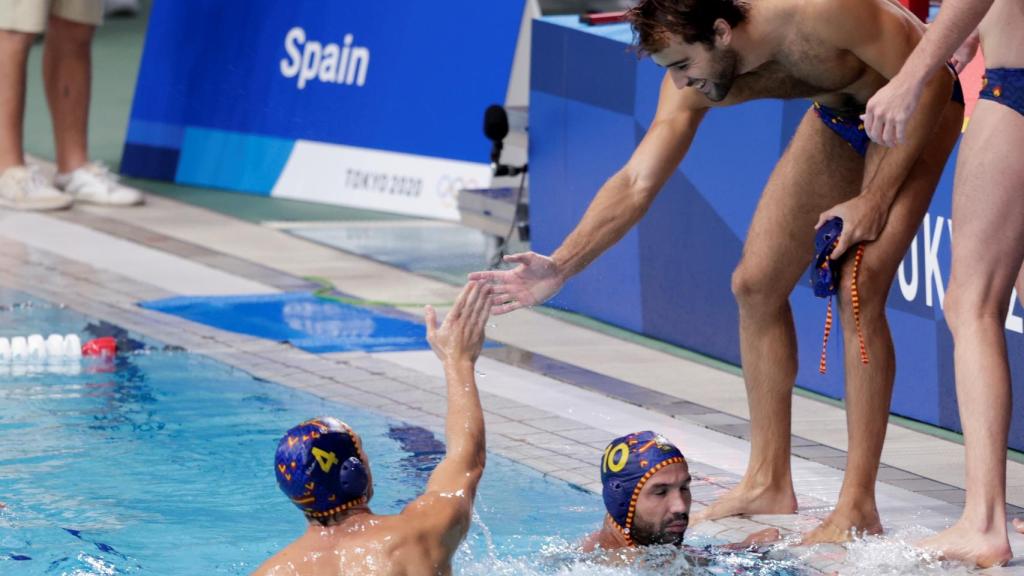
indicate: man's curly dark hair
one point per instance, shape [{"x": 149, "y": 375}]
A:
[{"x": 656, "y": 21}]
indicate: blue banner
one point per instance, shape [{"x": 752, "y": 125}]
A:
[{"x": 240, "y": 81}]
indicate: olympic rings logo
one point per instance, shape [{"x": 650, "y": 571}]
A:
[{"x": 448, "y": 187}]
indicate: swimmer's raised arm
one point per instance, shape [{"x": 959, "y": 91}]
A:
[
  {"x": 446, "y": 506},
  {"x": 618, "y": 206}
]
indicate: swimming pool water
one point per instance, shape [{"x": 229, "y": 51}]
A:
[{"x": 162, "y": 464}]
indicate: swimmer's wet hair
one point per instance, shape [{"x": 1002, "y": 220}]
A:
[{"x": 655, "y": 21}]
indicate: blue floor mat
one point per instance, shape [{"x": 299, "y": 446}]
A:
[{"x": 307, "y": 322}]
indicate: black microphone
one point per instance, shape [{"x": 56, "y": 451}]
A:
[{"x": 495, "y": 128}]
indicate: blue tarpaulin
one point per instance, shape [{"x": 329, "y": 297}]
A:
[{"x": 307, "y": 322}]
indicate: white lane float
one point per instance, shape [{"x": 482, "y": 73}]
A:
[{"x": 35, "y": 348}]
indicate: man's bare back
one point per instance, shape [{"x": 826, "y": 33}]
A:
[{"x": 368, "y": 544}]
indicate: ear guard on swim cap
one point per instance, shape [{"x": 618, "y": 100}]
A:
[
  {"x": 353, "y": 478},
  {"x": 628, "y": 463},
  {"x": 321, "y": 467}
]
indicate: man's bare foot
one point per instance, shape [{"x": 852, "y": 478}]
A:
[
  {"x": 843, "y": 524},
  {"x": 744, "y": 500},
  {"x": 1018, "y": 525},
  {"x": 959, "y": 542}
]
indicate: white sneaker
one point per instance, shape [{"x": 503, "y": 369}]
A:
[
  {"x": 95, "y": 184},
  {"x": 24, "y": 188}
]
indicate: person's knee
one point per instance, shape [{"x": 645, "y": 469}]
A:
[
  {"x": 969, "y": 302},
  {"x": 69, "y": 33},
  {"x": 755, "y": 287},
  {"x": 14, "y": 43}
]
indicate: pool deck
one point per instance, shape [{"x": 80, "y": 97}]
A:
[{"x": 554, "y": 393}]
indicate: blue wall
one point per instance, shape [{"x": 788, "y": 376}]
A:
[
  {"x": 216, "y": 84},
  {"x": 590, "y": 103}
]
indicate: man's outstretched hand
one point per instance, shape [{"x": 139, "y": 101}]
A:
[
  {"x": 532, "y": 282},
  {"x": 461, "y": 336}
]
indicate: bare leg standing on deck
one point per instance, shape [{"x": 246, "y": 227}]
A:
[{"x": 988, "y": 253}]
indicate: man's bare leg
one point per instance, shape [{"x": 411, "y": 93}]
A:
[
  {"x": 869, "y": 386},
  {"x": 14, "y": 49},
  {"x": 67, "y": 75},
  {"x": 817, "y": 171},
  {"x": 988, "y": 209}
]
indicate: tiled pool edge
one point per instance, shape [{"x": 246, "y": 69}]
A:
[{"x": 568, "y": 373}]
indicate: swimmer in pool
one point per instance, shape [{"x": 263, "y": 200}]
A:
[
  {"x": 321, "y": 466},
  {"x": 646, "y": 490},
  {"x": 719, "y": 53}
]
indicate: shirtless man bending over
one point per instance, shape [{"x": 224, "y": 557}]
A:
[{"x": 839, "y": 53}]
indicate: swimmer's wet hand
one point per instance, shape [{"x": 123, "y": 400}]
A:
[
  {"x": 461, "y": 336},
  {"x": 535, "y": 280}
]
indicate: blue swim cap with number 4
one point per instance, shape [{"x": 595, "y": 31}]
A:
[{"x": 321, "y": 467}]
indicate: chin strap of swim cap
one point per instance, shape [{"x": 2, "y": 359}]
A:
[{"x": 855, "y": 302}]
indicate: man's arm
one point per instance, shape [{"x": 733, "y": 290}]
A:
[
  {"x": 881, "y": 36},
  {"x": 626, "y": 196},
  {"x": 617, "y": 207},
  {"x": 445, "y": 508},
  {"x": 890, "y": 109}
]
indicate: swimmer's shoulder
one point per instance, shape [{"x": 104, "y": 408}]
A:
[
  {"x": 438, "y": 512},
  {"x": 283, "y": 563},
  {"x": 590, "y": 542},
  {"x": 415, "y": 545}
]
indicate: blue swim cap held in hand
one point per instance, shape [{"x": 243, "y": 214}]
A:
[
  {"x": 823, "y": 277},
  {"x": 321, "y": 467},
  {"x": 628, "y": 463}
]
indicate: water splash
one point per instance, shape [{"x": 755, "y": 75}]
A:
[
  {"x": 559, "y": 557},
  {"x": 896, "y": 555}
]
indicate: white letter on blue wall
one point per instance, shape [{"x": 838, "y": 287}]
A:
[
  {"x": 357, "y": 66},
  {"x": 909, "y": 289},
  {"x": 295, "y": 37},
  {"x": 310, "y": 63},
  {"x": 931, "y": 260},
  {"x": 1014, "y": 323}
]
